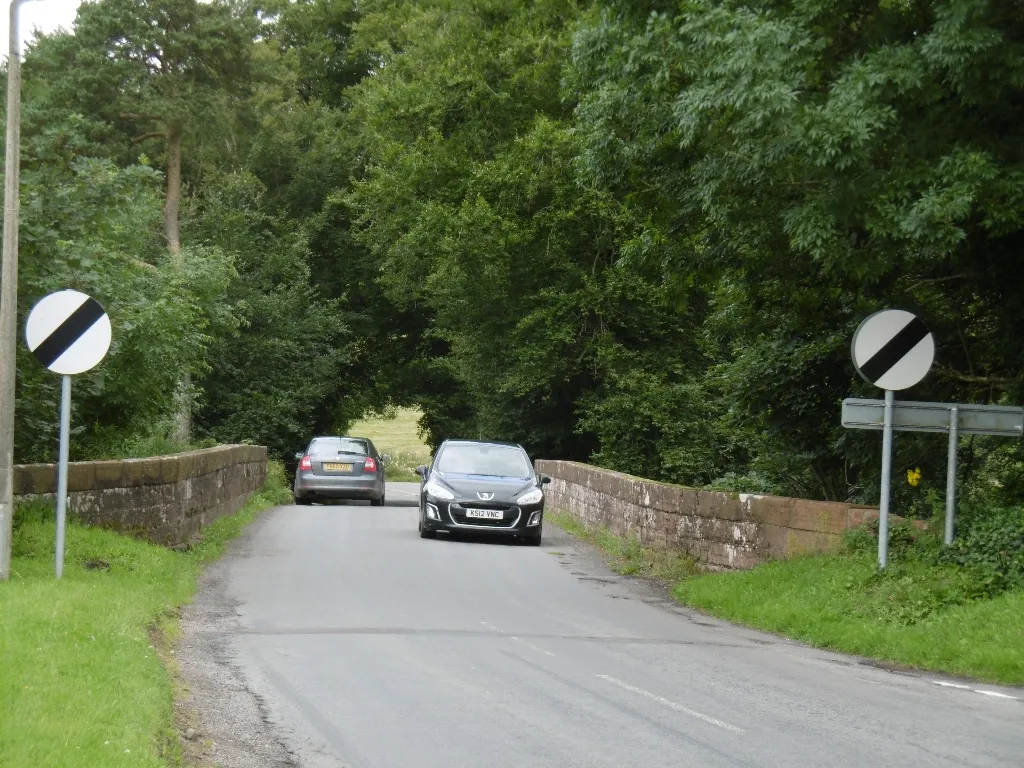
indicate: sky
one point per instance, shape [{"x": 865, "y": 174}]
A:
[{"x": 46, "y": 15}]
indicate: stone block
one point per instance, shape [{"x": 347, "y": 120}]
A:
[
  {"x": 108, "y": 474},
  {"x": 43, "y": 478},
  {"x": 773, "y": 510},
  {"x": 820, "y": 516},
  {"x": 136, "y": 472},
  {"x": 186, "y": 465},
  {"x": 662, "y": 496},
  {"x": 857, "y": 516},
  {"x": 169, "y": 468},
  {"x": 23, "y": 480},
  {"x": 81, "y": 476},
  {"x": 718, "y": 504}
]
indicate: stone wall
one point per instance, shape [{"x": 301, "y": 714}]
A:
[
  {"x": 166, "y": 499},
  {"x": 723, "y": 530}
]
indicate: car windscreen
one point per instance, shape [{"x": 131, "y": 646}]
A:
[
  {"x": 338, "y": 445},
  {"x": 494, "y": 460}
]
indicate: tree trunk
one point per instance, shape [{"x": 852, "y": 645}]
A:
[
  {"x": 182, "y": 420},
  {"x": 173, "y": 203}
]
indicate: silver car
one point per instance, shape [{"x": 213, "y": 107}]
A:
[{"x": 340, "y": 468}]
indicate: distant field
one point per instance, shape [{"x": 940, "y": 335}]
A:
[{"x": 398, "y": 437}]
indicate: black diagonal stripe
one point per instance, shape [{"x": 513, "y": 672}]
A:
[
  {"x": 68, "y": 332},
  {"x": 894, "y": 350}
]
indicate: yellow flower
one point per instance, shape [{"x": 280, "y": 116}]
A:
[{"x": 914, "y": 476}]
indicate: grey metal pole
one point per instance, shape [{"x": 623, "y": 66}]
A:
[
  {"x": 62, "y": 470},
  {"x": 9, "y": 294},
  {"x": 954, "y": 435},
  {"x": 883, "y": 506}
]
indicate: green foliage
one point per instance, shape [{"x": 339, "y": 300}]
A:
[
  {"x": 299, "y": 337},
  {"x": 629, "y": 556},
  {"x": 918, "y": 612},
  {"x": 815, "y": 162},
  {"x": 93, "y": 226},
  {"x": 991, "y": 543},
  {"x": 636, "y": 236},
  {"x": 65, "y": 641}
]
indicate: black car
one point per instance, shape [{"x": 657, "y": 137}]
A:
[{"x": 483, "y": 487}]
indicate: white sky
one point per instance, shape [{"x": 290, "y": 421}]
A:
[{"x": 46, "y": 15}]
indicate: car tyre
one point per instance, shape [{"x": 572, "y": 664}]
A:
[
  {"x": 426, "y": 534},
  {"x": 303, "y": 502},
  {"x": 377, "y": 502},
  {"x": 534, "y": 541}
]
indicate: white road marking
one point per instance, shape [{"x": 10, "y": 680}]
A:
[
  {"x": 532, "y": 646},
  {"x": 516, "y": 639},
  {"x": 673, "y": 705},
  {"x": 982, "y": 691}
]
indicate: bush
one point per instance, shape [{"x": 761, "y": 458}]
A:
[
  {"x": 33, "y": 511},
  {"x": 991, "y": 542}
]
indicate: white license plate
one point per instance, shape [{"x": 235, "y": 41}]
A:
[{"x": 485, "y": 514}]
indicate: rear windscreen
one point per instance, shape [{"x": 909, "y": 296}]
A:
[
  {"x": 495, "y": 460},
  {"x": 338, "y": 445}
]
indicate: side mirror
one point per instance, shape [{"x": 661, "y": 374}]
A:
[
  {"x": 545, "y": 479},
  {"x": 299, "y": 455},
  {"x": 421, "y": 470},
  {"x": 386, "y": 458}
]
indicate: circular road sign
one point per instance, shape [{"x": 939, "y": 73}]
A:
[
  {"x": 68, "y": 332},
  {"x": 893, "y": 349}
]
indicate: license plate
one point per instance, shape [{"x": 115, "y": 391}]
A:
[
  {"x": 338, "y": 467},
  {"x": 486, "y": 514}
]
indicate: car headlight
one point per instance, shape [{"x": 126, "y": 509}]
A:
[
  {"x": 438, "y": 491},
  {"x": 531, "y": 497}
]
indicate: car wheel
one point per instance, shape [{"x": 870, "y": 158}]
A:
[
  {"x": 377, "y": 502},
  {"x": 424, "y": 533},
  {"x": 302, "y": 501},
  {"x": 534, "y": 541}
]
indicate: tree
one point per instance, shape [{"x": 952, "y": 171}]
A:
[
  {"x": 814, "y": 162},
  {"x": 171, "y": 64},
  {"x": 93, "y": 226}
]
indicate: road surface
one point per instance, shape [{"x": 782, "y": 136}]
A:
[{"x": 359, "y": 644}]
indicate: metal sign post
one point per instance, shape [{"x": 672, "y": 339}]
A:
[
  {"x": 954, "y": 437},
  {"x": 893, "y": 350},
  {"x": 62, "y": 471},
  {"x": 883, "y": 504},
  {"x": 953, "y": 419},
  {"x": 69, "y": 333}
]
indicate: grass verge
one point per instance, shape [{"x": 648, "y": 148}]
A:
[
  {"x": 629, "y": 556},
  {"x": 915, "y": 614},
  {"x": 396, "y": 433},
  {"x": 81, "y": 682}
]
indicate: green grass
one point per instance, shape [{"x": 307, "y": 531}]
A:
[
  {"x": 395, "y": 433},
  {"x": 82, "y": 683},
  {"x": 915, "y": 614},
  {"x": 629, "y": 557}
]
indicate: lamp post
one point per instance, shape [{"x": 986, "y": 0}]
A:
[{"x": 9, "y": 293}]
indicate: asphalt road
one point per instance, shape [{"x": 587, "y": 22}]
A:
[{"x": 356, "y": 643}]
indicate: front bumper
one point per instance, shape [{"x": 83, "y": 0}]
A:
[
  {"x": 308, "y": 485},
  {"x": 522, "y": 520}
]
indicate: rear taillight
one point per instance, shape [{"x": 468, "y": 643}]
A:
[
  {"x": 306, "y": 464},
  {"x": 370, "y": 465}
]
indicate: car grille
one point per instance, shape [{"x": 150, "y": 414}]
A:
[{"x": 509, "y": 515}]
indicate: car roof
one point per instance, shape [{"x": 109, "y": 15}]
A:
[
  {"x": 482, "y": 442},
  {"x": 340, "y": 437}
]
